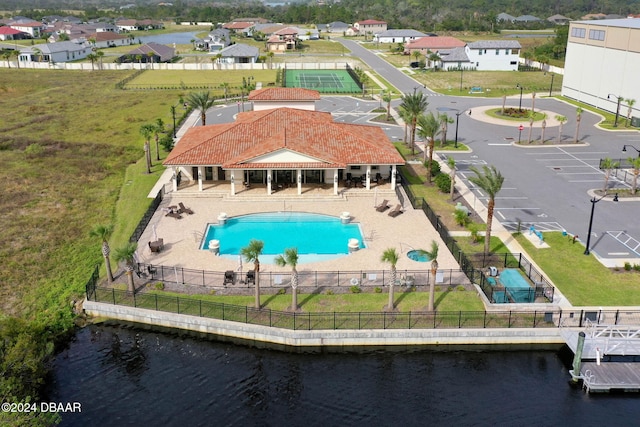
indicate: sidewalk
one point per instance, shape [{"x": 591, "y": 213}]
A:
[{"x": 166, "y": 176}]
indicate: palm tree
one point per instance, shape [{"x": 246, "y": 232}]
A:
[
  {"x": 608, "y": 165},
  {"x": 428, "y": 129},
  {"x": 490, "y": 180},
  {"x": 451, "y": 162},
  {"x": 251, "y": 253},
  {"x": 433, "y": 256},
  {"x": 444, "y": 123},
  {"x": 126, "y": 254},
  {"x": 103, "y": 232},
  {"x": 146, "y": 131},
  {"x": 533, "y": 103},
  {"x": 225, "y": 88},
  {"x": 17, "y": 55},
  {"x": 578, "y": 118},
  {"x": 416, "y": 55},
  {"x": 530, "y": 126},
  {"x": 630, "y": 102},
  {"x": 217, "y": 58},
  {"x": 6, "y": 55},
  {"x": 391, "y": 256},
  {"x": 158, "y": 128},
  {"x": 201, "y": 101},
  {"x": 270, "y": 56},
  {"x": 386, "y": 97},
  {"x": 434, "y": 58},
  {"x": 562, "y": 120},
  {"x": 404, "y": 115},
  {"x": 635, "y": 165},
  {"x": 414, "y": 104},
  {"x": 150, "y": 58},
  {"x": 100, "y": 55},
  {"x": 544, "y": 126},
  {"x": 290, "y": 258},
  {"x": 504, "y": 101}
]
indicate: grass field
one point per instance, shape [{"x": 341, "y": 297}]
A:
[{"x": 215, "y": 78}]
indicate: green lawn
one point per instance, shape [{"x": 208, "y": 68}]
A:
[
  {"x": 452, "y": 300},
  {"x": 213, "y": 78},
  {"x": 581, "y": 278}
]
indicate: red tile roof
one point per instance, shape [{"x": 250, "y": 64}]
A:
[
  {"x": 9, "y": 31},
  {"x": 371, "y": 22},
  {"x": 237, "y": 25},
  {"x": 435, "y": 43},
  {"x": 284, "y": 94},
  {"x": 308, "y": 133}
]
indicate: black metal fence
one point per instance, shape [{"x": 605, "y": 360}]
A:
[
  {"x": 474, "y": 265},
  {"x": 146, "y": 218},
  {"x": 362, "y": 320},
  {"x": 306, "y": 279}
]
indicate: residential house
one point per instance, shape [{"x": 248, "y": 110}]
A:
[
  {"x": 108, "y": 39},
  {"x": 370, "y": 26},
  {"x": 603, "y": 62},
  {"x": 558, "y": 19},
  {"x": 239, "y": 27},
  {"x": 281, "y": 147},
  {"x": 278, "y": 97},
  {"x": 494, "y": 55},
  {"x": 238, "y": 54},
  {"x": 8, "y": 33},
  {"x": 424, "y": 45},
  {"x": 337, "y": 27},
  {"x": 55, "y": 52},
  {"x": 29, "y": 26},
  {"x": 453, "y": 59},
  {"x": 283, "y": 40},
  {"x": 527, "y": 19},
  {"x": 398, "y": 36},
  {"x": 138, "y": 24},
  {"x": 149, "y": 53},
  {"x": 216, "y": 40},
  {"x": 505, "y": 17},
  {"x": 308, "y": 34}
]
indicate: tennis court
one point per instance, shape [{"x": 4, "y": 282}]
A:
[{"x": 324, "y": 81}]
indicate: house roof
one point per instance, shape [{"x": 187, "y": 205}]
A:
[
  {"x": 401, "y": 33},
  {"x": 622, "y": 23},
  {"x": 238, "y": 25},
  {"x": 50, "y": 48},
  {"x": 456, "y": 54},
  {"x": 240, "y": 50},
  {"x": 435, "y": 43},
  {"x": 34, "y": 24},
  {"x": 495, "y": 44},
  {"x": 505, "y": 17},
  {"x": 104, "y": 36},
  {"x": 527, "y": 18},
  {"x": 370, "y": 22},
  {"x": 287, "y": 31},
  {"x": 554, "y": 18},
  {"x": 8, "y": 31},
  {"x": 284, "y": 94},
  {"x": 258, "y": 134},
  {"x": 160, "y": 49}
]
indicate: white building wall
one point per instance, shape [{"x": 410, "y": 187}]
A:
[
  {"x": 593, "y": 72},
  {"x": 268, "y": 105},
  {"x": 490, "y": 61}
]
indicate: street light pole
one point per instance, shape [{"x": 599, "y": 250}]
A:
[
  {"x": 619, "y": 98},
  {"x": 551, "y": 88},
  {"x": 455, "y": 145},
  {"x": 520, "y": 105},
  {"x": 593, "y": 206},
  {"x": 461, "y": 72}
]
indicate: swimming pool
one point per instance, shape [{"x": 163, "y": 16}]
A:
[
  {"x": 418, "y": 255},
  {"x": 516, "y": 288},
  {"x": 317, "y": 237}
]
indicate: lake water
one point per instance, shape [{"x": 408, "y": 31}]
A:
[{"x": 126, "y": 376}]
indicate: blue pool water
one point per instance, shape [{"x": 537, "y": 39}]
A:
[
  {"x": 317, "y": 237},
  {"x": 516, "y": 288},
  {"x": 416, "y": 255}
]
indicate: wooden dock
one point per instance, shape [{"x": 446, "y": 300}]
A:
[{"x": 610, "y": 376}]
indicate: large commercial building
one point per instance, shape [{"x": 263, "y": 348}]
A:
[{"x": 603, "y": 63}]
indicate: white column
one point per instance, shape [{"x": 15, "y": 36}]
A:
[
  {"x": 299, "y": 179},
  {"x": 335, "y": 182},
  {"x": 199, "y": 178},
  {"x": 393, "y": 177},
  {"x": 269, "y": 182},
  {"x": 174, "y": 179},
  {"x": 233, "y": 182},
  {"x": 368, "y": 177}
]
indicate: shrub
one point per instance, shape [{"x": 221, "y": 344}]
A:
[
  {"x": 435, "y": 168},
  {"x": 636, "y": 267},
  {"x": 355, "y": 289},
  {"x": 329, "y": 292},
  {"x": 34, "y": 150},
  {"x": 460, "y": 288},
  {"x": 473, "y": 228},
  {"x": 461, "y": 217},
  {"x": 159, "y": 286},
  {"x": 377, "y": 290},
  {"x": 282, "y": 291},
  {"x": 443, "y": 182},
  {"x": 627, "y": 266},
  {"x": 167, "y": 141}
]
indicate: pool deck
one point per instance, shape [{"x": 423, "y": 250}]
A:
[{"x": 183, "y": 237}]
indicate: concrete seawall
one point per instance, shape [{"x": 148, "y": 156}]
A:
[{"x": 327, "y": 338}]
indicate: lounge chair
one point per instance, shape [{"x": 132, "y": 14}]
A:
[
  {"x": 229, "y": 277},
  {"x": 156, "y": 246},
  {"x": 251, "y": 277},
  {"x": 185, "y": 209},
  {"x": 396, "y": 211},
  {"x": 174, "y": 215},
  {"x": 383, "y": 206}
]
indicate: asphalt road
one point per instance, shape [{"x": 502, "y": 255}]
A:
[{"x": 547, "y": 187}]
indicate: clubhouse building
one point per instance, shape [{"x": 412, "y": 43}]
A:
[{"x": 285, "y": 147}]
